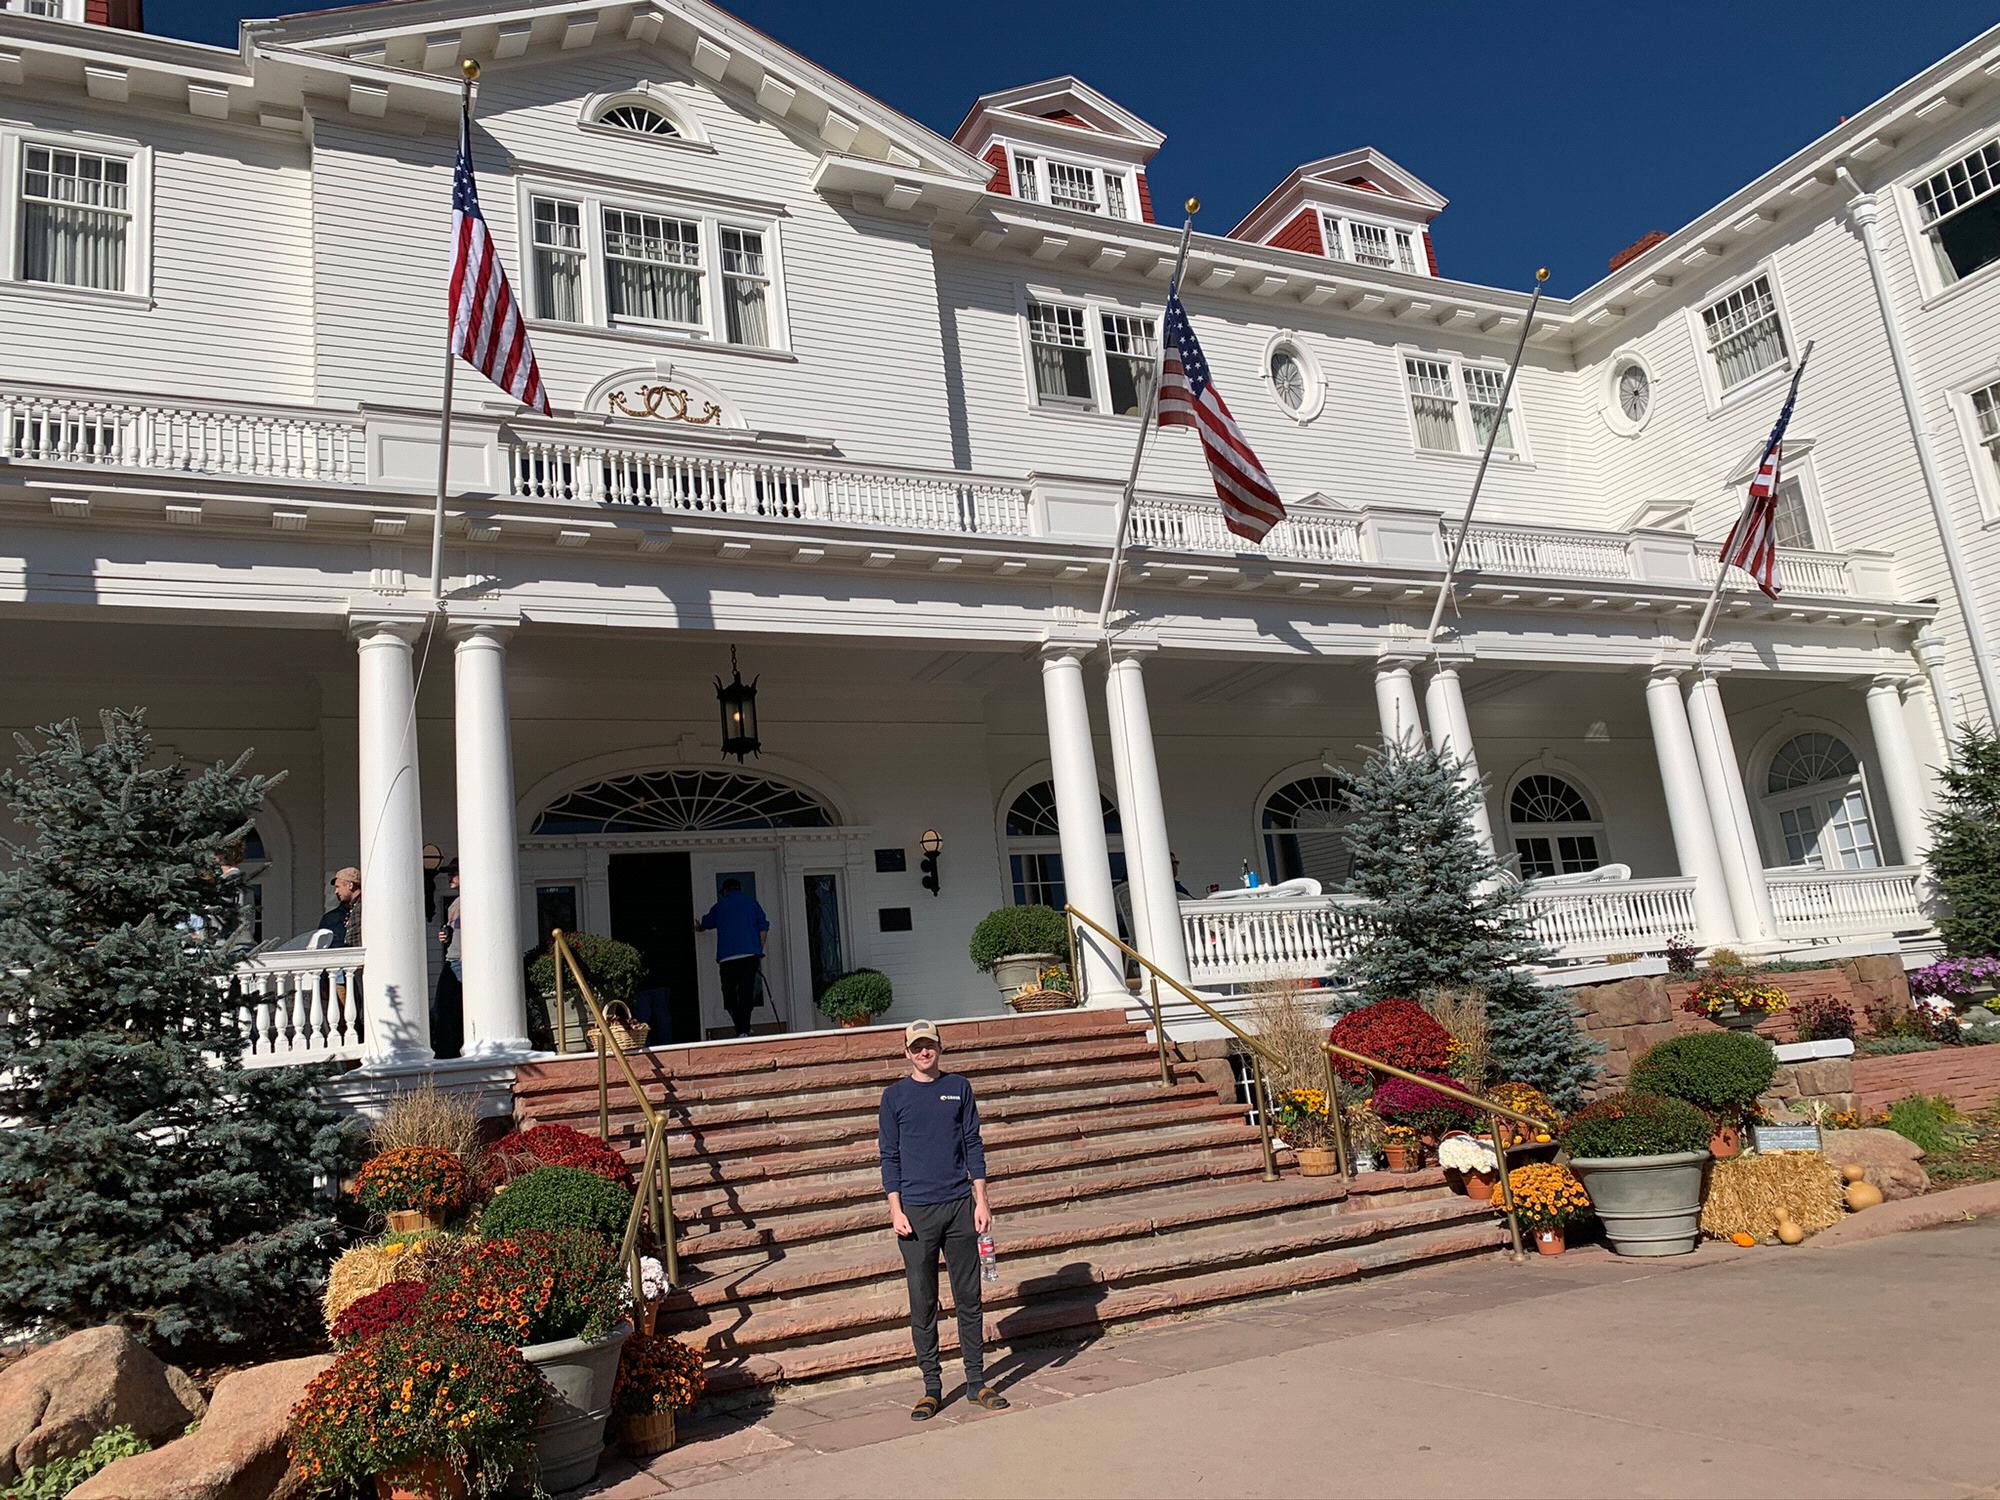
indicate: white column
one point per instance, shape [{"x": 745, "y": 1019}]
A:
[
  {"x": 1898, "y": 774},
  {"x": 1396, "y": 702},
  {"x": 1729, "y": 809},
  {"x": 489, "y": 904},
  {"x": 1687, "y": 807},
  {"x": 1451, "y": 735},
  {"x": 1080, "y": 818},
  {"x": 396, "y": 981},
  {"x": 1149, "y": 861}
]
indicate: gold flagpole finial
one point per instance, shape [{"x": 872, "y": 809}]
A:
[
  {"x": 1193, "y": 207},
  {"x": 1543, "y": 274},
  {"x": 470, "y": 68}
]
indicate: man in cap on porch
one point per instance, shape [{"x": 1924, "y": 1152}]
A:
[
  {"x": 739, "y": 925},
  {"x": 934, "y": 1171}
]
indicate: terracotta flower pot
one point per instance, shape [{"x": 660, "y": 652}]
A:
[
  {"x": 432, "y": 1479},
  {"x": 853, "y": 1021},
  {"x": 1480, "y": 1185},
  {"x": 1726, "y": 1142},
  {"x": 1549, "y": 1241},
  {"x": 1317, "y": 1161},
  {"x": 412, "y": 1221},
  {"x": 648, "y": 1436},
  {"x": 1403, "y": 1156}
]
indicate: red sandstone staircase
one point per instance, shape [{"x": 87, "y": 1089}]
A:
[{"x": 1115, "y": 1197}]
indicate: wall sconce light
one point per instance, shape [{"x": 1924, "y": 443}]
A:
[
  {"x": 931, "y": 842},
  {"x": 738, "y": 703}
]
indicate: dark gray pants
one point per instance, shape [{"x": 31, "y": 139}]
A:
[{"x": 946, "y": 1227}]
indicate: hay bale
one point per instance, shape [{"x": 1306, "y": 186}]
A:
[
  {"x": 1747, "y": 1193},
  {"x": 369, "y": 1268}
]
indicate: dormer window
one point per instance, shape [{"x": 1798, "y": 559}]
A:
[
  {"x": 1367, "y": 243},
  {"x": 638, "y": 119},
  {"x": 1070, "y": 184}
]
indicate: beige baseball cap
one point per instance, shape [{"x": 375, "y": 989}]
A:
[{"x": 920, "y": 1031}]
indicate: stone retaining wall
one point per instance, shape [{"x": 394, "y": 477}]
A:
[{"x": 1968, "y": 1076}]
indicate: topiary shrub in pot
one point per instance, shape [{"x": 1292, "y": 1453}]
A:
[
  {"x": 613, "y": 969},
  {"x": 1015, "y": 943},
  {"x": 1640, "y": 1157},
  {"x": 558, "y": 1198},
  {"x": 857, "y": 997},
  {"x": 1718, "y": 1072}
]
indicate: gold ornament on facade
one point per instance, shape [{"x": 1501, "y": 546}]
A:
[{"x": 674, "y": 401}]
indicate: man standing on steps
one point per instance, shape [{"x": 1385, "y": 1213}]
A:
[{"x": 934, "y": 1171}]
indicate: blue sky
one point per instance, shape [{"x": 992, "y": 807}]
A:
[{"x": 1560, "y": 132}]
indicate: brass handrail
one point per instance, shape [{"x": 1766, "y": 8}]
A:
[
  {"x": 1260, "y": 1054},
  {"x": 655, "y": 1195}
]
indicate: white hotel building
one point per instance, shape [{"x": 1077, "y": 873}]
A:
[{"x": 855, "y": 401}]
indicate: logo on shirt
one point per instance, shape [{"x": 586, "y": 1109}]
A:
[{"x": 948, "y": 1098}]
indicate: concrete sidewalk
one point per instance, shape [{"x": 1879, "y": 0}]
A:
[{"x": 1730, "y": 1373}]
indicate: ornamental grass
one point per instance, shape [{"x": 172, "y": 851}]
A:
[
  {"x": 1546, "y": 1196},
  {"x": 427, "y": 1179},
  {"x": 655, "y": 1375},
  {"x": 1748, "y": 1194},
  {"x": 1461, "y": 1011},
  {"x": 1288, "y": 1019},
  {"x": 427, "y": 1116},
  {"x": 425, "y": 1392},
  {"x": 532, "y": 1288}
]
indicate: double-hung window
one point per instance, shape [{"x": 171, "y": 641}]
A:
[
  {"x": 1059, "y": 336},
  {"x": 1455, "y": 406},
  {"x": 53, "y": 9},
  {"x": 1366, "y": 243},
  {"x": 1986, "y": 429},
  {"x": 1092, "y": 358},
  {"x": 1371, "y": 244},
  {"x": 680, "y": 272},
  {"x": 76, "y": 218},
  {"x": 1745, "y": 336},
  {"x": 1074, "y": 185},
  {"x": 1958, "y": 210},
  {"x": 1130, "y": 352}
]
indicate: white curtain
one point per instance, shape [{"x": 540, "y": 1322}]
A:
[
  {"x": 744, "y": 302},
  {"x": 660, "y": 294},
  {"x": 73, "y": 246}
]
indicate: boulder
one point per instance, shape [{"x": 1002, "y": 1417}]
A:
[
  {"x": 54, "y": 1401},
  {"x": 240, "y": 1451},
  {"x": 1886, "y": 1159}
]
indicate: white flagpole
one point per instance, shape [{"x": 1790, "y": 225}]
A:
[
  {"x": 1486, "y": 457},
  {"x": 1146, "y": 417},
  {"x": 471, "y": 70},
  {"x": 1701, "y": 640}
]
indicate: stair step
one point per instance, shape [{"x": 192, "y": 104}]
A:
[{"x": 1098, "y": 1305}]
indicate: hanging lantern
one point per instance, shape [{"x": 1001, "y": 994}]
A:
[{"x": 738, "y": 701}]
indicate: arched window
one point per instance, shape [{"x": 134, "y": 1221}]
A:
[
  {"x": 1554, "y": 828},
  {"x": 684, "y": 802},
  {"x": 1814, "y": 791},
  {"x": 640, "y": 119},
  {"x": 1034, "y": 847},
  {"x": 1304, "y": 823}
]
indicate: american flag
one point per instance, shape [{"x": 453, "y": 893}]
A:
[
  {"x": 486, "y": 327},
  {"x": 1188, "y": 398},
  {"x": 1752, "y": 542}
]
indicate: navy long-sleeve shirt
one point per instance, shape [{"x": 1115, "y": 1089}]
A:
[{"x": 931, "y": 1151}]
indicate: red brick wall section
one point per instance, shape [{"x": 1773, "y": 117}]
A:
[
  {"x": 1431, "y": 252},
  {"x": 996, "y": 156},
  {"x": 1968, "y": 1076},
  {"x": 1145, "y": 199},
  {"x": 1637, "y": 248},
  {"x": 1302, "y": 232},
  {"x": 123, "y": 14}
]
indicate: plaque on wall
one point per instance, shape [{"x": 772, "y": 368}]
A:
[{"x": 893, "y": 918}]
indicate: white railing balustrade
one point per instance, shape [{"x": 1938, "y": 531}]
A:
[
  {"x": 301, "y": 1007},
  {"x": 1616, "y": 916},
  {"x": 1819, "y": 573},
  {"x": 221, "y": 438},
  {"x": 574, "y": 469},
  {"x": 1196, "y": 526},
  {"x": 1542, "y": 550},
  {"x": 1835, "y": 903},
  {"x": 1246, "y": 941}
]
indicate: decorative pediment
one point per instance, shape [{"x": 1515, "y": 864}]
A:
[
  {"x": 1660, "y": 515},
  {"x": 1363, "y": 180},
  {"x": 1319, "y": 500},
  {"x": 1797, "y": 446},
  {"x": 1062, "y": 109}
]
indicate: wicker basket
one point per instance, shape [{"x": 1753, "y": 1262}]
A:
[
  {"x": 1031, "y": 1000},
  {"x": 626, "y": 1034}
]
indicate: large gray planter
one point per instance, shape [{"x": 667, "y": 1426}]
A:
[
  {"x": 569, "y": 1436},
  {"x": 1649, "y": 1205},
  {"x": 1019, "y": 971}
]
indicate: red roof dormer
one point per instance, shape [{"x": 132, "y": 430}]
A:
[
  {"x": 125, "y": 15},
  {"x": 1358, "y": 206},
  {"x": 1062, "y": 143}
]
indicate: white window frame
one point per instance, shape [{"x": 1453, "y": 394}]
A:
[
  {"x": 1798, "y": 468},
  {"x": 1932, "y": 277},
  {"x": 1717, "y": 395},
  {"x": 592, "y": 203},
  {"x": 1614, "y": 412},
  {"x": 1470, "y": 444},
  {"x": 689, "y": 134},
  {"x": 1816, "y": 799},
  {"x": 138, "y": 289},
  {"x": 1294, "y": 343},
  {"x": 1593, "y": 828},
  {"x": 65, "y": 10},
  {"x": 1094, "y": 310},
  {"x": 1336, "y": 230},
  {"x": 1100, "y": 173},
  {"x": 1982, "y": 453}
]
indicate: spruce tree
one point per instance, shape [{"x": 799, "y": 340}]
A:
[
  {"x": 1965, "y": 847},
  {"x": 1439, "y": 916},
  {"x": 146, "y": 1177}
]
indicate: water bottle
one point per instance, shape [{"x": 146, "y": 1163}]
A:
[{"x": 989, "y": 1265}]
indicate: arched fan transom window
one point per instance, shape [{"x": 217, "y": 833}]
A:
[
  {"x": 1304, "y": 825},
  {"x": 1555, "y": 829},
  {"x": 1815, "y": 793},
  {"x": 684, "y": 802},
  {"x": 638, "y": 119},
  {"x": 1034, "y": 847}
]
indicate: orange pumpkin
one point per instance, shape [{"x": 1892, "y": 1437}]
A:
[{"x": 1745, "y": 1240}]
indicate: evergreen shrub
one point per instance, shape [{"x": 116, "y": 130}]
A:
[
  {"x": 558, "y": 1198},
  {"x": 1634, "y": 1124},
  {"x": 860, "y": 994},
  {"x": 1008, "y": 930},
  {"x": 1721, "y": 1072}
]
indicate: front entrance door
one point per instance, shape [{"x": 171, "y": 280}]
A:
[{"x": 757, "y": 869}]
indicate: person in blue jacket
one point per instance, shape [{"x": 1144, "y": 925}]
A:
[{"x": 739, "y": 925}]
